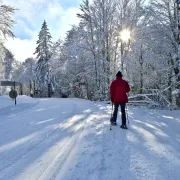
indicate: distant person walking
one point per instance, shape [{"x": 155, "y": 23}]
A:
[{"x": 118, "y": 90}]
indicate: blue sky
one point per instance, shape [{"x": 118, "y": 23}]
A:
[{"x": 59, "y": 15}]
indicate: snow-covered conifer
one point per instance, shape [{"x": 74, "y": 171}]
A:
[{"x": 43, "y": 52}]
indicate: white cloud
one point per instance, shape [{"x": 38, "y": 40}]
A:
[
  {"x": 71, "y": 14},
  {"x": 21, "y": 49},
  {"x": 65, "y": 23},
  {"x": 55, "y": 9}
]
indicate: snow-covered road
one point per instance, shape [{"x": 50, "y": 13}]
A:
[{"x": 69, "y": 139}]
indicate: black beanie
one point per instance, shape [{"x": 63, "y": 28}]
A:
[{"x": 119, "y": 74}]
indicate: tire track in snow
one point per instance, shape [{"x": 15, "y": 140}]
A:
[
  {"x": 88, "y": 159},
  {"x": 60, "y": 162},
  {"x": 63, "y": 150},
  {"x": 17, "y": 161}
]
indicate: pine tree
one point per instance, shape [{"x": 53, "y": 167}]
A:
[{"x": 43, "y": 52}]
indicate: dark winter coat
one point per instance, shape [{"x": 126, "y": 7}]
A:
[{"x": 118, "y": 90}]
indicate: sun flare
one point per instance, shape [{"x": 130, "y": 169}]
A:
[{"x": 125, "y": 35}]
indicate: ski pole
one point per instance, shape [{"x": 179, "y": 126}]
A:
[
  {"x": 111, "y": 116},
  {"x": 127, "y": 114}
]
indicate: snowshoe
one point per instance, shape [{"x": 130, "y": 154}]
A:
[
  {"x": 113, "y": 123},
  {"x": 123, "y": 127}
]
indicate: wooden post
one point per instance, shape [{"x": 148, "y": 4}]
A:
[
  {"x": 14, "y": 90},
  {"x": 34, "y": 87}
]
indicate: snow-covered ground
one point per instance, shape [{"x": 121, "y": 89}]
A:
[{"x": 69, "y": 139}]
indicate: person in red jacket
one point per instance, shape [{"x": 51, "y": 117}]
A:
[{"x": 118, "y": 90}]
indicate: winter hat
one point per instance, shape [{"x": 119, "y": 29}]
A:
[{"x": 119, "y": 74}]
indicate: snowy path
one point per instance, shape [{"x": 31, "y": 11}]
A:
[
  {"x": 149, "y": 150},
  {"x": 69, "y": 139}
]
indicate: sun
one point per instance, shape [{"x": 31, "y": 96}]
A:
[{"x": 125, "y": 35}]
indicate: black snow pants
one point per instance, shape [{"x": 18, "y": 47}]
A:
[{"x": 123, "y": 112}]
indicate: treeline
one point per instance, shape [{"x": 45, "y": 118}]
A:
[{"x": 85, "y": 63}]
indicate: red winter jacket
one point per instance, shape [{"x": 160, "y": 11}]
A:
[{"x": 118, "y": 90}]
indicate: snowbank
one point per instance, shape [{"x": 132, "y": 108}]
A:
[{"x": 7, "y": 105}]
